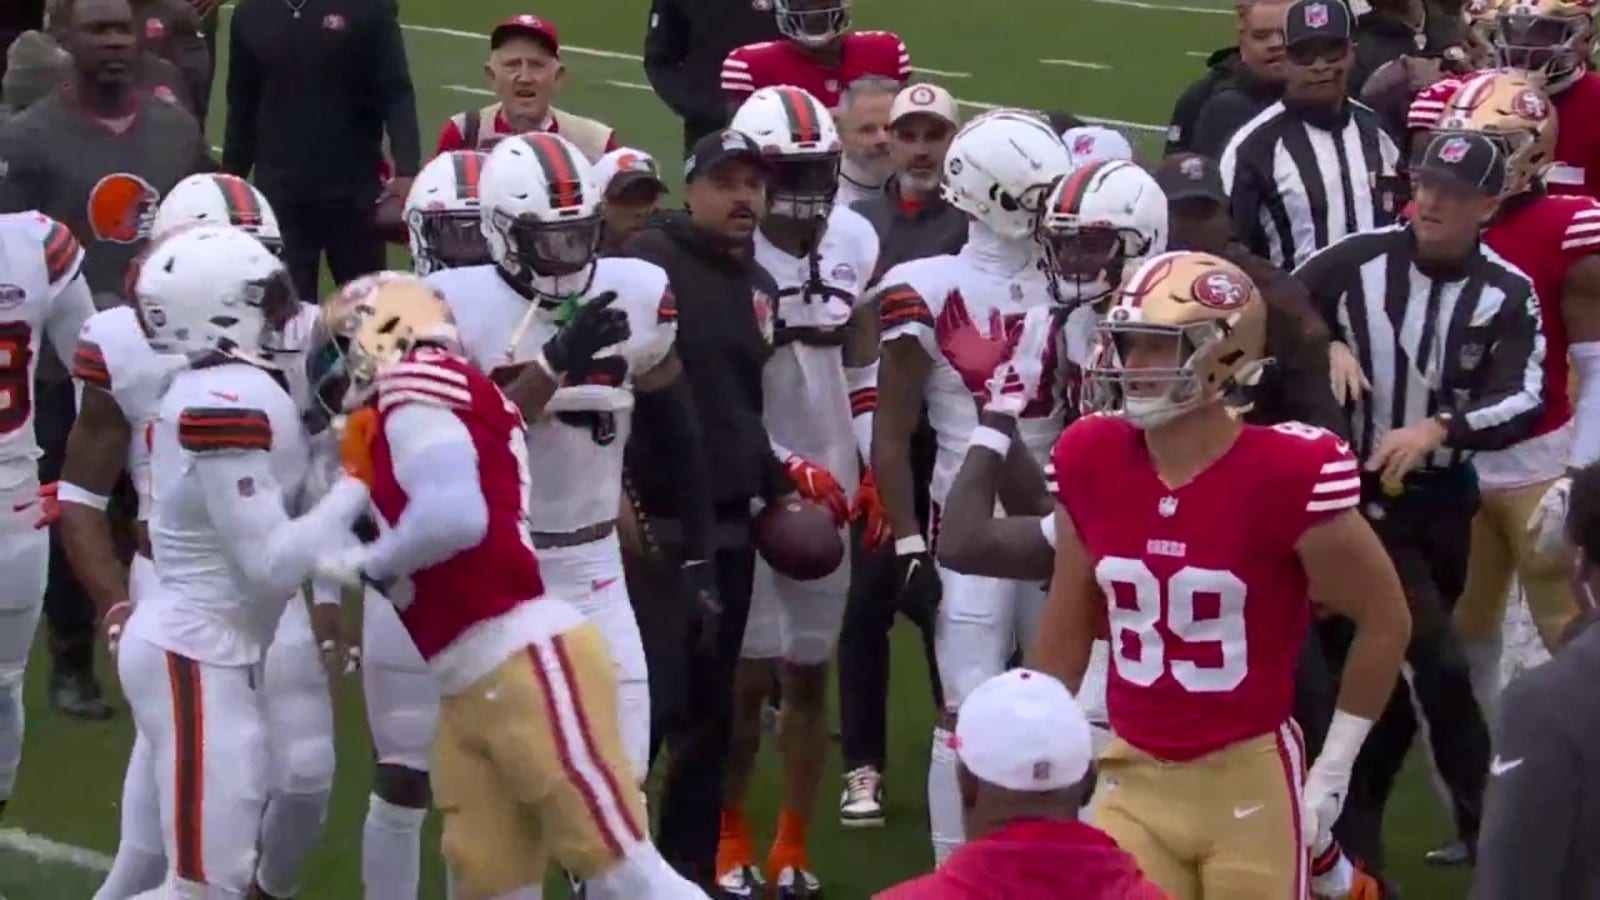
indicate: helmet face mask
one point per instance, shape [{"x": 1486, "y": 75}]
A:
[
  {"x": 542, "y": 216},
  {"x": 1087, "y": 264},
  {"x": 448, "y": 239},
  {"x": 803, "y": 187},
  {"x": 1551, "y": 48},
  {"x": 813, "y": 23}
]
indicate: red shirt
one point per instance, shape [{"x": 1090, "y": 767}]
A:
[
  {"x": 1206, "y": 598},
  {"x": 770, "y": 63},
  {"x": 1577, "y": 168},
  {"x": 492, "y": 127}
]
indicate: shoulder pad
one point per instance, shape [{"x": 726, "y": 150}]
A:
[
  {"x": 901, "y": 304},
  {"x": 203, "y": 429},
  {"x": 424, "y": 380}
]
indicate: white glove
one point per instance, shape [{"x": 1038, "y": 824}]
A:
[
  {"x": 342, "y": 566},
  {"x": 1015, "y": 382},
  {"x": 1548, "y": 524},
  {"x": 1328, "y": 782}
]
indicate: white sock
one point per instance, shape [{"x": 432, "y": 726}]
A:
[
  {"x": 944, "y": 799},
  {"x": 11, "y": 722},
  {"x": 133, "y": 871},
  {"x": 290, "y": 830},
  {"x": 1483, "y": 667},
  {"x": 391, "y": 850}
]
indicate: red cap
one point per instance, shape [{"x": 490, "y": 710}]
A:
[{"x": 527, "y": 26}]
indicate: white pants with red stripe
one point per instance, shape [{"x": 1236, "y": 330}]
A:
[{"x": 24, "y": 559}]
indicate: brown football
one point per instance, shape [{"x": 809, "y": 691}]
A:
[{"x": 798, "y": 539}]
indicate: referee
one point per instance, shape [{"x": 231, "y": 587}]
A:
[
  {"x": 1315, "y": 166},
  {"x": 1449, "y": 336}
]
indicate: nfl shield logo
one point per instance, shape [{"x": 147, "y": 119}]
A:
[
  {"x": 247, "y": 487},
  {"x": 1454, "y": 150},
  {"x": 1316, "y": 15}
]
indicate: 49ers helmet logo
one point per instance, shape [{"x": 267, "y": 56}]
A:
[
  {"x": 122, "y": 208},
  {"x": 1530, "y": 105},
  {"x": 1220, "y": 290}
]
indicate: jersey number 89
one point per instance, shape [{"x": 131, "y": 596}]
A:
[
  {"x": 16, "y": 387},
  {"x": 1145, "y": 660}
]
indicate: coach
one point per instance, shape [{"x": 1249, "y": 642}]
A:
[
  {"x": 311, "y": 91},
  {"x": 684, "y": 47}
]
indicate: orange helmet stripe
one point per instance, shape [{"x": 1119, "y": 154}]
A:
[
  {"x": 243, "y": 207},
  {"x": 468, "y": 166},
  {"x": 803, "y": 125},
  {"x": 1077, "y": 186},
  {"x": 559, "y": 169}
]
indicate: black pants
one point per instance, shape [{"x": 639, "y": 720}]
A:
[
  {"x": 1428, "y": 533},
  {"x": 341, "y": 228},
  {"x": 691, "y": 693},
  {"x": 208, "y": 28},
  {"x": 69, "y": 613}
]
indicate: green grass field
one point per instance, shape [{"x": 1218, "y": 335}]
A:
[{"x": 1048, "y": 54}]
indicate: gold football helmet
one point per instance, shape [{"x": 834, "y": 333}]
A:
[
  {"x": 340, "y": 315},
  {"x": 1551, "y": 40},
  {"x": 1510, "y": 108},
  {"x": 402, "y": 314},
  {"x": 1216, "y": 322}
]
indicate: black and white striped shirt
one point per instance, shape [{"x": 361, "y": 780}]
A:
[
  {"x": 1295, "y": 187},
  {"x": 1469, "y": 342}
]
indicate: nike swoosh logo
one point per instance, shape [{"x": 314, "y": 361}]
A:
[
  {"x": 600, "y": 584},
  {"x": 1245, "y": 812},
  {"x": 1498, "y": 766},
  {"x": 229, "y": 396}
]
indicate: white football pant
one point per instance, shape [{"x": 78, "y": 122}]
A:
[
  {"x": 24, "y": 561},
  {"x": 796, "y": 621}
]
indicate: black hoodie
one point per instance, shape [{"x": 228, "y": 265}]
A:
[
  {"x": 1236, "y": 101},
  {"x": 1220, "y": 66}
]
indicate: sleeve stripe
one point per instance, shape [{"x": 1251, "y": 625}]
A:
[
  {"x": 390, "y": 399},
  {"x": 61, "y": 252},
  {"x": 667, "y": 309},
  {"x": 1334, "y": 487},
  {"x": 422, "y": 370},
  {"x": 442, "y": 391},
  {"x": 1338, "y": 465},
  {"x": 735, "y": 63},
  {"x": 89, "y": 365},
  {"x": 1343, "y": 501},
  {"x": 224, "y": 428},
  {"x": 863, "y": 401}
]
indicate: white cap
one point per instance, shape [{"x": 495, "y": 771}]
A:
[
  {"x": 1093, "y": 143},
  {"x": 929, "y": 99},
  {"x": 1023, "y": 731},
  {"x": 623, "y": 166}
]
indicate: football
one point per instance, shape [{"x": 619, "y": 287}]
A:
[{"x": 798, "y": 539}]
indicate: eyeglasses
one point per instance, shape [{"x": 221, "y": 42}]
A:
[{"x": 1314, "y": 50}]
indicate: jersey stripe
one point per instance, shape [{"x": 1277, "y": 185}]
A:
[
  {"x": 667, "y": 310},
  {"x": 1338, "y": 486},
  {"x": 243, "y": 208},
  {"x": 189, "y": 775},
  {"x": 566, "y": 191},
  {"x": 1583, "y": 230},
  {"x": 863, "y": 401},
  {"x": 61, "y": 252},
  {"x": 900, "y": 304},
  {"x": 201, "y": 429},
  {"x": 89, "y": 365},
  {"x": 468, "y": 166},
  {"x": 803, "y": 125}
]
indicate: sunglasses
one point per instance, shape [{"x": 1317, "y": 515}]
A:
[{"x": 1314, "y": 50}]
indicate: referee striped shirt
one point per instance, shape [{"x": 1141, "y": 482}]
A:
[
  {"x": 1469, "y": 342},
  {"x": 1295, "y": 187}
]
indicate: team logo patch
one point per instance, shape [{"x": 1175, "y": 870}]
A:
[
  {"x": 122, "y": 207},
  {"x": 922, "y": 95},
  {"x": 763, "y": 309},
  {"x": 1530, "y": 105},
  {"x": 1192, "y": 168},
  {"x": 1454, "y": 150},
  {"x": 1083, "y": 145},
  {"x": 1167, "y": 507},
  {"x": 1316, "y": 15},
  {"x": 247, "y": 487},
  {"x": 1220, "y": 289},
  {"x": 333, "y": 22},
  {"x": 11, "y": 295}
]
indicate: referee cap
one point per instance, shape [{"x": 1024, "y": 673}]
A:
[
  {"x": 1310, "y": 19},
  {"x": 1466, "y": 158}
]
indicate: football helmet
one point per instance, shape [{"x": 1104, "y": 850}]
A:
[
  {"x": 441, "y": 213},
  {"x": 999, "y": 168},
  {"x": 1551, "y": 40},
  {"x": 1216, "y": 322},
  {"x": 812, "y": 23},
  {"x": 1098, "y": 223},
  {"x": 397, "y": 316},
  {"x": 341, "y": 314},
  {"x": 543, "y": 217},
  {"x": 214, "y": 290},
  {"x": 1510, "y": 108},
  {"x": 220, "y": 199},
  {"x": 800, "y": 142}
]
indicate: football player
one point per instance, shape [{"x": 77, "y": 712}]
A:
[
  {"x": 1206, "y": 618},
  {"x": 1552, "y": 41},
  {"x": 818, "y": 391},
  {"x": 43, "y": 294},
  {"x": 441, "y": 213},
  {"x": 946, "y": 323},
  {"x": 529, "y": 761},
  {"x": 819, "y": 53},
  {"x": 227, "y": 454}
]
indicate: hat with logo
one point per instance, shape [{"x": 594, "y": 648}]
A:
[
  {"x": 1190, "y": 176},
  {"x": 1092, "y": 143},
  {"x": 1311, "y": 19},
  {"x": 539, "y": 29},
  {"x": 719, "y": 147},
  {"x": 625, "y": 167},
  {"x": 1023, "y": 731},
  {"x": 1469, "y": 159},
  {"x": 925, "y": 99}
]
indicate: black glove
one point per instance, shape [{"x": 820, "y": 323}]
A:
[
  {"x": 592, "y": 328},
  {"x": 705, "y": 606},
  {"x": 918, "y": 588}
]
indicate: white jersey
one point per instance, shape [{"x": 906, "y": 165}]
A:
[
  {"x": 40, "y": 291},
  {"x": 806, "y": 400},
  {"x": 968, "y": 321},
  {"x": 114, "y": 356},
  {"x": 212, "y": 613},
  {"x": 575, "y": 450}
]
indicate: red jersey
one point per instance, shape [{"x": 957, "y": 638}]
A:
[
  {"x": 1205, "y": 594},
  {"x": 771, "y": 63},
  {"x": 1543, "y": 236},
  {"x": 486, "y": 582},
  {"x": 1577, "y": 167},
  {"x": 1428, "y": 105}
]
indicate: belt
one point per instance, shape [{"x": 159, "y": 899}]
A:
[
  {"x": 552, "y": 540},
  {"x": 810, "y": 335}
]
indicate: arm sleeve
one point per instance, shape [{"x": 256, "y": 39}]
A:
[
  {"x": 1323, "y": 288},
  {"x": 862, "y": 383},
  {"x": 392, "y": 78},
  {"x": 1511, "y": 400},
  {"x": 669, "y": 415},
  {"x": 1529, "y": 805},
  {"x": 244, "y": 96},
  {"x": 738, "y": 79},
  {"x": 1586, "y": 436},
  {"x": 446, "y": 512},
  {"x": 666, "y": 46},
  {"x": 1244, "y": 197}
]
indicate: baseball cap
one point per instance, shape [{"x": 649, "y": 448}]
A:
[
  {"x": 927, "y": 99},
  {"x": 717, "y": 148},
  {"x": 1467, "y": 158},
  {"x": 35, "y": 65},
  {"x": 526, "y": 26},
  {"x": 624, "y": 167},
  {"x": 1023, "y": 731},
  {"x": 1190, "y": 176},
  {"x": 1309, "y": 19},
  {"x": 1093, "y": 143}
]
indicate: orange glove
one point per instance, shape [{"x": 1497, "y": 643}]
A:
[
  {"x": 355, "y": 445},
  {"x": 875, "y": 532},
  {"x": 49, "y": 507},
  {"x": 818, "y": 485}
]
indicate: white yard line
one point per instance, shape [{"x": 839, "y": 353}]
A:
[
  {"x": 940, "y": 72},
  {"x": 628, "y": 85},
  {"x": 466, "y": 89},
  {"x": 1167, "y": 7},
  {"x": 48, "y": 851},
  {"x": 1075, "y": 64}
]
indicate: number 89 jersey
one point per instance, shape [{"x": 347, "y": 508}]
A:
[{"x": 1206, "y": 598}]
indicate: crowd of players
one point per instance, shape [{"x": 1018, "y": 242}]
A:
[{"x": 1095, "y": 358}]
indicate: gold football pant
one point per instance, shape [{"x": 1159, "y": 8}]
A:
[
  {"x": 1502, "y": 547},
  {"x": 1222, "y": 827},
  {"x": 529, "y": 767}
]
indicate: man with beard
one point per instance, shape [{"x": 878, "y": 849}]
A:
[
  {"x": 863, "y": 117},
  {"x": 1240, "y": 84}
]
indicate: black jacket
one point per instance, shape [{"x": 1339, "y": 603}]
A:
[
  {"x": 1381, "y": 37},
  {"x": 1236, "y": 101},
  {"x": 684, "y": 47},
  {"x": 1186, "y": 111}
]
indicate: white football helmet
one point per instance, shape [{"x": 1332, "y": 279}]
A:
[
  {"x": 442, "y": 216},
  {"x": 814, "y": 23},
  {"x": 214, "y": 290},
  {"x": 801, "y": 144},
  {"x": 543, "y": 217},
  {"x": 220, "y": 199},
  {"x": 1098, "y": 224},
  {"x": 999, "y": 167}
]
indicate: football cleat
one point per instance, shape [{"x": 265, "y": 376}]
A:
[
  {"x": 741, "y": 883},
  {"x": 1453, "y": 854},
  {"x": 861, "y": 802},
  {"x": 798, "y": 884}
]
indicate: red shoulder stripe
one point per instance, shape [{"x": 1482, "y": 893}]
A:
[
  {"x": 89, "y": 365},
  {"x": 61, "y": 251},
  {"x": 202, "y": 429},
  {"x": 667, "y": 312},
  {"x": 900, "y": 304},
  {"x": 863, "y": 401}
]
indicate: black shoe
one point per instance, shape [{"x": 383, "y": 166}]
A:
[
  {"x": 1453, "y": 854},
  {"x": 76, "y": 694}
]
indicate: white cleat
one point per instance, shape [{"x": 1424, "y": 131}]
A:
[{"x": 861, "y": 802}]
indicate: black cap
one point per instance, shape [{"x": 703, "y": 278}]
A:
[
  {"x": 1467, "y": 158},
  {"x": 1310, "y": 19},
  {"x": 1190, "y": 176},
  {"x": 717, "y": 148}
]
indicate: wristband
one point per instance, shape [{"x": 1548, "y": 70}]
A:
[
  {"x": 67, "y": 492},
  {"x": 989, "y": 439},
  {"x": 1346, "y": 734},
  {"x": 908, "y": 545},
  {"x": 114, "y": 607}
]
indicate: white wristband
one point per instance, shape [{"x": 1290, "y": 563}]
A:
[
  {"x": 990, "y": 439},
  {"x": 1346, "y": 734},
  {"x": 67, "y": 492},
  {"x": 908, "y": 545}
]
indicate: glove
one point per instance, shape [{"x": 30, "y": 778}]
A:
[
  {"x": 818, "y": 485},
  {"x": 1015, "y": 382},
  {"x": 594, "y": 326},
  {"x": 49, "y": 507},
  {"x": 1548, "y": 524},
  {"x": 917, "y": 581},
  {"x": 355, "y": 444},
  {"x": 868, "y": 509},
  {"x": 700, "y": 580},
  {"x": 1328, "y": 782}
]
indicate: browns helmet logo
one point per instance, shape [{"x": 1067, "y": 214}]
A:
[
  {"x": 122, "y": 207},
  {"x": 1083, "y": 145},
  {"x": 1220, "y": 289},
  {"x": 1530, "y": 105}
]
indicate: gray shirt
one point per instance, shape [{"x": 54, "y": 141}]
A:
[
  {"x": 908, "y": 231},
  {"x": 1541, "y": 818}
]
